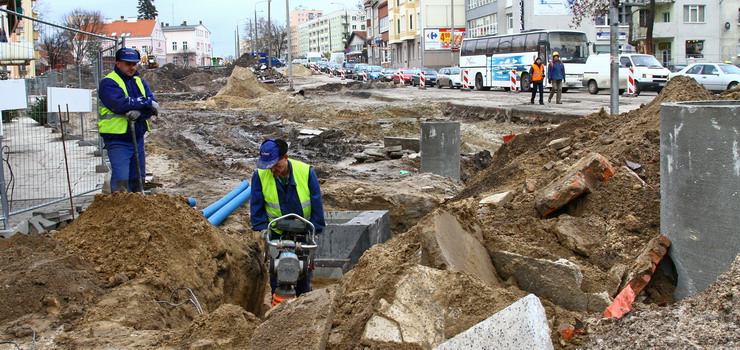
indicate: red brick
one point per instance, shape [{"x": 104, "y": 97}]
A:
[{"x": 586, "y": 175}]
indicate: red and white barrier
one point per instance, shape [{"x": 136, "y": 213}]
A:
[
  {"x": 465, "y": 81},
  {"x": 342, "y": 72},
  {"x": 403, "y": 78},
  {"x": 331, "y": 72},
  {"x": 512, "y": 80},
  {"x": 422, "y": 80},
  {"x": 631, "y": 82},
  {"x": 364, "y": 77}
]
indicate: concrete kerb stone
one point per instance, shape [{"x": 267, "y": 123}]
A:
[
  {"x": 559, "y": 144},
  {"x": 521, "y": 325},
  {"x": 498, "y": 199},
  {"x": 559, "y": 281}
]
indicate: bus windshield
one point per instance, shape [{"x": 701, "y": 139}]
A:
[{"x": 572, "y": 47}]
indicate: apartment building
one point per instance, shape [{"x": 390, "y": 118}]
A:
[
  {"x": 144, "y": 35},
  {"x": 17, "y": 40},
  {"x": 330, "y": 32},
  {"x": 377, "y": 32},
  {"x": 687, "y": 31},
  {"x": 298, "y": 17},
  {"x": 188, "y": 45},
  {"x": 421, "y": 32}
]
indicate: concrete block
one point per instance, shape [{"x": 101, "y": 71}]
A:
[
  {"x": 521, "y": 325},
  {"x": 560, "y": 281},
  {"x": 586, "y": 175},
  {"x": 700, "y": 189},
  {"x": 381, "y": 329},
  {"x": 558, "y": 144},
  {"x": 309, "y": 318},
  {"x": 440, "y": 148},
  {"x": 570, "y": 235},
  {"x": 347, "y": 235},
  {"x": 39, "y": 224},
  {"x": 405, "y": 143},
  {"x": 498, "y": 199},
  {"x": 447, "y": 245}
]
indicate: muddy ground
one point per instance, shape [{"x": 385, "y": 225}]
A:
[{"x": 111, "y": 277}]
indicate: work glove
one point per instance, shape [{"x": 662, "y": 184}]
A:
[
  {"x": 155, "y": 108},
  {"x": 133, "y": 115}
]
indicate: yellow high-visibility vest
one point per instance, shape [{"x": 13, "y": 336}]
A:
[
  {"x": 110, "y": 122},
  {"x": 269, "y": 189}
]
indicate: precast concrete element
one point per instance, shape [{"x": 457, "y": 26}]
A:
[
  {"x": 440, "y": 148},
  {"x": 521, "y": 325},
  {"x": 447, "y": 245},
  {"x": 308, "y": 318},
  {"x": 409, "y": 143},
  {"x": 560, "y": 281},
  {"x": 700, "y": 189},
  {"x": 347, "y": 235}
]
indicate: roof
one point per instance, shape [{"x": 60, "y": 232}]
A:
[
  {"x": 176, "y": 28},
  {"x": 139, "y": 29}
]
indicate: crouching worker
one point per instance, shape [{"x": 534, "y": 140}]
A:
[
  {"x": 125, "y": 99},
  {"x": 282, "y": 186}
]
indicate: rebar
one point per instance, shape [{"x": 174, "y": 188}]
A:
[{"x": 192, "y": 299}]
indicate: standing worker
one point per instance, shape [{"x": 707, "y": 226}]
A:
[
  {"x": 282, "y": 186},
  {"x": 125, "y": 99},
  {"x": 556, "y": 75},
  {"x": 537, "y": 72}
]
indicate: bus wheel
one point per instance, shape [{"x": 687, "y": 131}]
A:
[
  {"x": 525, "y": 82},
  {"x": 478, "y": 82}
]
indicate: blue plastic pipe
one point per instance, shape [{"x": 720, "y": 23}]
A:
[
  {"x": 209, "y": 210},
  {"x": 220, "y": 215}
]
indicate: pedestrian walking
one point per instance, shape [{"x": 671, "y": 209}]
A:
[
  {"x": 556, "y": 75},
  {"x": 537, "y": 72}
]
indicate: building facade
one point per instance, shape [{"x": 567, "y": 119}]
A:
[
  {"x": 188, "y": 45},
  {"x": 688, "y": 31},
  {"x": 330, "y": 32},
  {"x": 421, "y": 32},
  {"x": 377, "y": 32},
  {"x": 18, "y": 40},
  {"x": 144, "y": 35},
  {"x": 298, "y": 17}
]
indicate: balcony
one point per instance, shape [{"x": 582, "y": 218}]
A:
[
  {"x": 660, "y": 30},
  {"x": 16, "y": 53}
]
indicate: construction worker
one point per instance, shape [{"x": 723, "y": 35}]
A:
[
  {"x": 282, "y": 186},
  {"x": 556, "y": 75},
  {"x": 537, "y": 72},
  {"x": 125, "y": 97}
]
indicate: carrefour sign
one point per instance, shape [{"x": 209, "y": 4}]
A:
[{"x": 439, "y": 39}]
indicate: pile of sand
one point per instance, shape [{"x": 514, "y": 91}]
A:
[
  {"x": 300, "y": 71},
  {"x": 228, "y": 327},
  {"x": 241, "y": 87}
]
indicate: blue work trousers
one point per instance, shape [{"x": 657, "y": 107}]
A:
[{"x": 123, "y": 162}]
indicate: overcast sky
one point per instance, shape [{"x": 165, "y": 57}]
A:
[{"x": 221, "y": 18}]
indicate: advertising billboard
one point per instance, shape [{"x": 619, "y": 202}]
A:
[
  {"x": 552, "y": 7},
  {"x": 439, "y": 39}
]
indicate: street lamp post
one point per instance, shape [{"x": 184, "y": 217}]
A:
[{"x": 254, "y": 47}]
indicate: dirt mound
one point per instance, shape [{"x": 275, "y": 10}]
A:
[
  {"x": 199, "y": 78},
  {"x": 733, "y": 94},
  {"x": 242, "y": 85},
  {"x": 175, "y": 72},
  {"x": 707, "y": 320},
  {"x": 160, "y": 81},
  {"x": 301, "y": 71},
  {"x": 228, "y": 327}
]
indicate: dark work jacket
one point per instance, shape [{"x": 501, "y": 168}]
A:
[{"x": 111, "y": 96}]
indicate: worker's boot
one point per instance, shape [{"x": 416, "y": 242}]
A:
[
  {"x": 121, "y": 186},
  {"x": 136, "y": 186}
]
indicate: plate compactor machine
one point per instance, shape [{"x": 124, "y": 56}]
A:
[{"x": 291, "y": 242}]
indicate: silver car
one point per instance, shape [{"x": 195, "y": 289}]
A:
[
  {"x": 449, "y": 77},
  {"x": 713, "y": 76}
]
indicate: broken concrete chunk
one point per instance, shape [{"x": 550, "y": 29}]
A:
[
  {"x": 413, "y": 144},
  {"x": 530, "y": 185},
  {"x": 498, "y": 199},
  {"x": 39, "y": 224},
  {"x": 571, "y": 236},
  {"x": 559, "y": 144},
  {"x": 549, "y": 165},
  {"x": 313, "y": 132},
  {"x": 522, "y": 325},
  {"x": 381, "y": 329},
  {"x": 586, "y": 175},
  {"x": 389, "y": 149}
]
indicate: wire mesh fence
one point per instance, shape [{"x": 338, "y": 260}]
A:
[{"x": 52, "y": 155}]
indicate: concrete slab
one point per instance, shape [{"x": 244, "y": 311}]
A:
[
  {"x": 440, "y": 148},
  {"x": 347, "y": 235},
  {"x": 522, "y": 325},
  {"x": 410, "y": 143},
  {"x": 700, "y": 189},
  {"x": 447, "y": 245}
]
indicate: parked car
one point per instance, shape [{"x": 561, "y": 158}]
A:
[
  {"x": 675, "y": 67},
  {"x": 713, "y": 76},
  {"x": 406, "y": 73},
  {"x": 349, "y": 67},
  {"x": 299, "y": 61},
  {"x": 388, "y": 74},
  {"x": 357, "y": 72},
  {"x": 449, "y": 77},
  {"x": 430, "y": 76},
  {"x": 374, "y": 73}
]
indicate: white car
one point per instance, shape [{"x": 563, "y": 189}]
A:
[
  {"x": 449, "y": 77},
  {"x": 713, "y": 76}
]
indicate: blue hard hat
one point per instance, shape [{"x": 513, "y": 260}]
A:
[
  {"x": 127, "y": 55},
  {"x": 270, "y": 152}
]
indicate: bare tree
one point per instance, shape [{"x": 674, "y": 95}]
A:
[
  {"x": 57, "y": 47},
  {"x": 84, "y": 45},
  {"x": 586, "y": 9},
  {"x": 279, "y": 39}
]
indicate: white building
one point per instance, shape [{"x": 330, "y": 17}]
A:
[
  {"x": 329, "y": 33},
  {"x": 188, "y": 45},
  {"x": 144, "y": 35}
]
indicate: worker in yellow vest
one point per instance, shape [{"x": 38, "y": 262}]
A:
[
  {"x": 282, "y": 186},
  {"x": 125, "y": 97}
]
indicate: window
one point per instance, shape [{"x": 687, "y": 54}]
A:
[
  {"x": 509, "y": 22},
  {"x": 694, "y": 70},
  {"x": 666, "y": 17},
  {"x": 624, "y": 62},
  {"x": 480, "y": 47},
  {"x": 184, "y": 45},
  {"x": 493, "y": 45},
  {"x": 517, "y": 43},
  {"x": 693, "y": 14},
  {"x": 644, "y": 18},
  {"x": 531, "y": 42},
  {"x": 354, "y": 26},
  {"x": 468, "y": 47},
  {"x": 174, "y": 46},
  {"x": 710, "y": 69},
  {"x": 174, "y": 60},
  {"x": 398, "y": 26},
  {"x": 480, "y": 26},
  {"x": 354, "y": 18},
  {"x": 411, "y": 22},
  {"x": 362, "y": 27},
  {"x": 694, "y": 48},
  {"x": 384, "y": 24},
  {"x": 505, "y": 45}
]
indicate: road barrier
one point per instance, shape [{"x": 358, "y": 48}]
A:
[
  {"x": 342, "y": 72},
  {"x": 364, "y": 77},
  {"x": 631, "y": 82},
  {"x": 465, "y": 81},
  {"x": 512, "y": 80},
  {"x": 422, "y": 81}
]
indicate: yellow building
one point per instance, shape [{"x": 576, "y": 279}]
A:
[
  {"x": 17, "y": 53},
  {"x": 404, "y": 35}
]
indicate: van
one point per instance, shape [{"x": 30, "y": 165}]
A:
[
  {"x": 313, "y": 57},
  {"x": 337, "y": 57},
  {"x": 650, "y": 75}
]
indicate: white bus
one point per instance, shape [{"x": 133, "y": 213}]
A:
[{"x": 489, "y": 59}]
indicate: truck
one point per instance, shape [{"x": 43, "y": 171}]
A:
[
  {"x": 149, "y": 61},
  {"x": 314, "y": 57}
]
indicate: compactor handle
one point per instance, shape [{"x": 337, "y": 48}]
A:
[{"x": 282, "y": 244}]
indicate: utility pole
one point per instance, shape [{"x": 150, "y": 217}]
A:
[
  {"x": 614, "y": 56},
  {"x": 452, "y": 32},
  {"x": 290, "y": 50},
  {"x": 269, "y": 35}
]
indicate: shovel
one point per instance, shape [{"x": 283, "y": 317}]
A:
[{"x": 132, "y": 127}]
